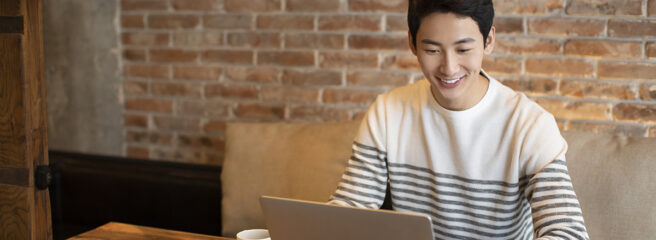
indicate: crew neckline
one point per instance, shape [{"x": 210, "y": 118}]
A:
[{"x": 479, "y": 105}]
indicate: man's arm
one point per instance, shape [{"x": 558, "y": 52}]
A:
[
  {"x": 555, "y": 209},
  {"x": 364, "y": 182}
]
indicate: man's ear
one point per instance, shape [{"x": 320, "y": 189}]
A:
[
  {"x": 411, "y": 43},
  {"x": 489, "y": 44}
]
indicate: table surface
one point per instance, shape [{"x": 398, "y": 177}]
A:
[{"x": 114, "y": 230}]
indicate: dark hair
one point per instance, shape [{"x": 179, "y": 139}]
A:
[{"x": 481, "y": 11}]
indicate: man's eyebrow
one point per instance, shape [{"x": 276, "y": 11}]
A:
[{"x": 461, "y": 41}]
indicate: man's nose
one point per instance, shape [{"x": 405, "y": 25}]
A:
[{"x": 449, "y": 65}]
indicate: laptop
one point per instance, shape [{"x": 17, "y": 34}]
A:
[{"x": 289, "y": 219}]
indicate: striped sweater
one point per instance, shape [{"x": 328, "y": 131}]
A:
[{"x": 494, "y": 171}]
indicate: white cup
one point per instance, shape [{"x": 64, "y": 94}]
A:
[{"x": 254, "y": 234}]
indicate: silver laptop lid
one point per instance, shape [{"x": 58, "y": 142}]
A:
[{"x": 289, "y": 219}]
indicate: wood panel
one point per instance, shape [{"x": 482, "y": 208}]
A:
[
  {"x": 14, "y": 211},
  {"x": 10, "y": 8},
  {"x": 15, "y": 176},
  {"x": 12, "y": 111}
]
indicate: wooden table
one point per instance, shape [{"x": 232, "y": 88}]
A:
[{"x": 115, "y": 231}]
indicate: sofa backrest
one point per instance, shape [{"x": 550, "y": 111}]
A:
[
  {"x": 613, "y": 176},
  {"x": 615, "y": 180},
  {"x": 293, "y": 160}
]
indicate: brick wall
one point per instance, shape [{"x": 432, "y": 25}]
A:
[{"x": 190, "y": 66}]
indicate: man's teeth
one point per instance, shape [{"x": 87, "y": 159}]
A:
[{"x": 450, "y": 81}]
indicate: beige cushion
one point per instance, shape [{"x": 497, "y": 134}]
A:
[
  {"x": 615, "y": 180},
  {"x": 302, "y": 161}
]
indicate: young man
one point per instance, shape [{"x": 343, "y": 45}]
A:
[{"x": 483, "y": 161}]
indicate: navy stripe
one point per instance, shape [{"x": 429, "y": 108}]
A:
[
  {"x": 360, "y": 145},
  {"x": 450, "y": 176},
  {"x": 453, "y": 185},
  {"x": 397, "y": 200}
]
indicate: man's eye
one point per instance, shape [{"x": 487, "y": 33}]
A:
[
  {"x": 431, "y": 51},
  {"x": 463, "y": 50}
]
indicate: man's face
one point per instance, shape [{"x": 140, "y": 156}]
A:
[{"x": 450, "y": 51}]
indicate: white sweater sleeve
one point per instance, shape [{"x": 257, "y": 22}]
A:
[{"x": 364, "y": 182}]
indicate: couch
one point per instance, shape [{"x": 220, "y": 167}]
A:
[{"x": 613, "y": 176}]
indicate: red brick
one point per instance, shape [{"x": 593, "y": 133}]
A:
[
  {"x": 348, "y": 60},
  {"x": 196, "y": 72},
  {"x": 532, "y": 86},
  {"x": 596, "y": 90},
  {"x": 202, "y": 109},
  {"x": 509, "y": 25},
  {"x": 400, "y": 6},
  {"x": 396, "y": 23},
  {"x": 145, "y": 39},
  {"x": 132, "y": 21},
  {"x": 175, "y": 89},
  {"x": 289, "y": 94},
  {"x": 149, "y": 105},
  {"x": 600, "y": 8},
  {"x": 252, "y": 5},
  {"x": 260, "y": 111},
  {"x": 377, "y": 79},
  {"x": 349, "y": 96},
  {"x": 559, "y": 67},
  {"x": 577, "y": 110},
  {"x": 605, "y": 49},
  {"x": 379, "y": 42},
  {"x": 253, "y": 74},
  {"x": 313, "y": 5},
  {"x": 640, "y": 113},
  {"x": 130, "y": 5},
  {"x": 312, "y": 78},
  {"x": 566, "y": 27},
  {"x": 168, "y": 21},
  {"x": 527, "y": 7},
  {"x": 650, "y": 49},
  {"x": 198, "y": 5},
  {"x": 318, "y": 114},
  {"x": 632, "y": 28},
  {"x": 285, "y": 22},
  {"x": 137, "y": 55},
  {"x": 198, "y": 39},
  {"x": 502, "y": 65},
  {"x": 176, "y": 123},
  {"x": 255, "y": 40},
  {"x": 137, "y": 88},
  {"x": 228, "y": 56},
  {"x": 314, "y": 41},
  {"x": 627, "y": 70},
  {"x": 216, "y": 143},
  {"x": 648, "y": 92},
  {"x": 215, "y": 126},
  {"x": 147, "y": 71},
  {"x": 526, "y": 46},
  {"x": 359, "y": 114},
  {"x": 136, "y": 120},
  {"x": 148, "y": 138},
  {"x": 651, "y": 11},
  {"x": 231, "y": 91},
  {"x": 173, "y": 55},
  {"x": 286, "y": 58},
  {"x": 187, "y": 155},
  {"x": 137, "y": 152},
  {"x": 350, "y": 23},
  {"x": 611, "y": 129},
  {"x": 228, "y": 21},
  {"x": 401, "y": 62}
]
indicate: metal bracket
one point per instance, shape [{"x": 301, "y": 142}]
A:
[{"x": 42, "y": 177}]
